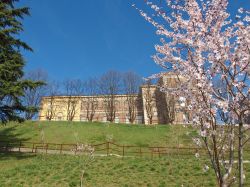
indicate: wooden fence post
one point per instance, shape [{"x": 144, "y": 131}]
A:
[
  {"x": 6, "y": 147},
  {"x": 61, "y": 149},
  {"x": 75, "y": 148},
  {"x": 47, "y": 148},
  {"x": 33, "y": 147},
  {"x": 107, "y": 147},
  {"x": 20, "y": 144},
  {"x": 123, "y": 151}
]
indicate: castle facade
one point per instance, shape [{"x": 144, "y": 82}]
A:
[{"x": 149, "y": 106}]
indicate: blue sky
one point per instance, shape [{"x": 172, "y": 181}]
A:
[{"x": 85, "y": 38}]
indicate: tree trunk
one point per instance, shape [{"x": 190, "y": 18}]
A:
[{"x": 240, "y": 155}]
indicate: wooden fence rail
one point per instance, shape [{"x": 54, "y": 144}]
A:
[{"x": 105, "y": 148}]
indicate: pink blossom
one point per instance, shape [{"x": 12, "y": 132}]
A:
[
  {"x": 197, "y": 155},
  {"x": 203, "y": 133},
  {"x": 211, "y": 53},
  {"x": 205, "y": 168}
]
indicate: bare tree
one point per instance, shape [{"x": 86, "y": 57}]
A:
[
  {"x": 32, "y": 96},
  {"x": 110, "y": 86},
  {"x": 52, "y": 92},
  {"x": 91, "y": 89},
  {"x": 73, "y": 89},
  {"x": 170, "y": 109},
  {"x": 148, "y": 97},
  {"x": 131, "y": 83}
]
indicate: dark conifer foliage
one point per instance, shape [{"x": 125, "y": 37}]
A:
[{"x": 12, "y": 84}]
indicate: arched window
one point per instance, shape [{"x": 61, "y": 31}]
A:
[
  {"x": 83, "y": 118},
  {"x": 117, "y": 104},
  {"x": 59, "y": 116},
  {"x": 127, "y": 120},
  {"x": 83, "y": 105},
  {"x": 139, "y": 119},
  {"x": 104, "y": 119},
  {"x": 117, "y": 120}
]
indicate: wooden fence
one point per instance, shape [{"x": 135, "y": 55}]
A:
[
  {"x": 102, "y": 149},
  {"x": 105, "y": 149}
]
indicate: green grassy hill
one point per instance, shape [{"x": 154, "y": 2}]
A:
[
  {"x": 66, "y": 132},
  {"x": 19, "y": 169},
  {"x": 64, "y": 171}
]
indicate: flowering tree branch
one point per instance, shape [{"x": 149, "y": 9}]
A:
[{"x": 203, "y": 45}]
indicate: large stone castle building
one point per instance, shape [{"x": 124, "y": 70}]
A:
[{"x": 149, "y": 106}]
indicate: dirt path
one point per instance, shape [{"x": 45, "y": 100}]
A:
[{"x": 63, "y": 152}]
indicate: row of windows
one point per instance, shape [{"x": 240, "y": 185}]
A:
[
  {"x": 98, "y": 105},
  {"x": 103, "y": 104},
  {"x": 139, "y": 119}
]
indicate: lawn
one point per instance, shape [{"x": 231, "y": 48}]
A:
[
  {"x": 66, "y": 132},
  {"x": 62, "y": 170},
  {"x": 19, "y": 169}
]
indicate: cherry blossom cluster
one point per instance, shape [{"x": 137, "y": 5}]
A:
[
  {"x": 202, "y": 43},
  {"x": 209, "y": 50}
]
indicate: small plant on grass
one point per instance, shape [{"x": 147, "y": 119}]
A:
[
  {"x": 109, "y": 137},
  {"x": 85, "y": 153},
  {"x": 42, "y": 139}
]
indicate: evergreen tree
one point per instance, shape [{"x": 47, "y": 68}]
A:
[{"x": 12, "y": 86}]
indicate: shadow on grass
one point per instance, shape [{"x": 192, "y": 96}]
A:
[
  {"x": 8, "y": 134},
  {"x": 10, "y": 139},
  {"x": 17, "y": 156}
]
